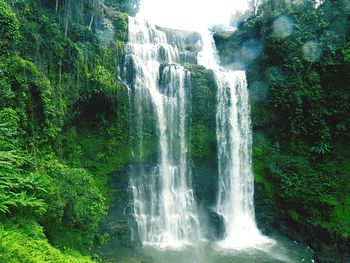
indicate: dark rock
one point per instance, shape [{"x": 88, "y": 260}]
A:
[
  {"x": 147, "y": 259},
  {"x": 116, "y": 223},
  {"x": 136, "y": 247},
  {"x": 217, "y": 223}
]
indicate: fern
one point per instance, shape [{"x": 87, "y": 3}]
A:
[{"x": 322, "y": 148}]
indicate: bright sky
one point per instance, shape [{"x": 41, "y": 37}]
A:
[{"x": 189, "y": 14}]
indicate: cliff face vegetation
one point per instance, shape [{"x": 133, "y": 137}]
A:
[
  {"x": 63, "y": 125},
  {"x": 298, "y": 70}
]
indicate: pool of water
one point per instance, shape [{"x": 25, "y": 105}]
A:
[{"x": 280, "y": 250}]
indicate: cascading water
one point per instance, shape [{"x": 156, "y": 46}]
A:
[
  {"x": 163, "y": 201},
  {"x": 236, "y": 185},
  {"x": 234, "y": 139},
  {"x": 163, "y": 204}
]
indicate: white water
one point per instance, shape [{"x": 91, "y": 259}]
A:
[
  {"x": 164, "y": 206},
  {"x": 235, "y": 201}
]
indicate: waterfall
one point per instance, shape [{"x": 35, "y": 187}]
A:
[
  {"x": 236, "y": 183},
  {"x": 234, "y": 140},
  {"x": 163, "y": 203},
  {"x": 164, "y": 206}
]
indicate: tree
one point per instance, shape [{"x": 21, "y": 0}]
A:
[{"x": 9, "y": 27}]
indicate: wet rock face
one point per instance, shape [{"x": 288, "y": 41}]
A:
[
  {"x": 205, "y": 190},
  {"x": 121, "y": 226},
  {"x": 264, "y": 214},
  {"x": 116, "y": 224},
  {"x": 217, "y": 226},
  {"x": 188, "y": 43}
]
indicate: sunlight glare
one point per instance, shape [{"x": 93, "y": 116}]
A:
[{"x": 190, "y": 14}]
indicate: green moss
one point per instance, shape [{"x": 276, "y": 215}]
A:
[
  {"x": 200, "y": 143},
  {"x": 150, "y": 146},
  {"x": 259, "y": 168},
  {"x": 97, "y": 152},
  {"x": 261, "y": 151},
  {"x": 203, "y": 128},
  {"x": 342, "y": 215}
]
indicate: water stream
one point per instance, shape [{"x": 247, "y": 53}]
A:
[
  {"x": 235, "y": 202},
  {"x": 164, "y": 206}
]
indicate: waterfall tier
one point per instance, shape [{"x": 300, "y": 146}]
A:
[
  {"x": 163, "y": 203},
  {"x": 235, "y": 203},
  {"x": 164, "y": 206}
]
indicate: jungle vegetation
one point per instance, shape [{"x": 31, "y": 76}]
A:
[{"x": 64, "y": 116}]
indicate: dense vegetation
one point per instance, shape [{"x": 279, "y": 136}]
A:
[
  {"x": 298, "y": 68},
  {"x": 63, "y": 120}
]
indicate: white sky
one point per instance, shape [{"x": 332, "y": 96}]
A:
[{"x": 189, "y": 14}]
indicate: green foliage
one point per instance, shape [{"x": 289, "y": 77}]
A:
[
  {"x": 102, "y": 76},
  {"x": 325, "y": 197},
  {"x": 120, "y": 23},
  {"x": 200, "y": 144},
  {"x": 261, "y": 151},
  {"x": 203, "y": 138},
  {"x": 9, "y": 27},
  {"x": 62, "y": 75},
  {"x": 323, "y": 148},
  {"x": 19, "y": 190},
  {"x": 8, "y": 129},
  {"x": 27, "y": 243},
  {"x": 126, "y": 6},
  {"x": 30, "y": 93},
  {"x": 346, "y": 53},
  {"x": 65, "y": 197},
  {"x": 74, "y": 200},
  {"x": 302, "y": 165}
]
